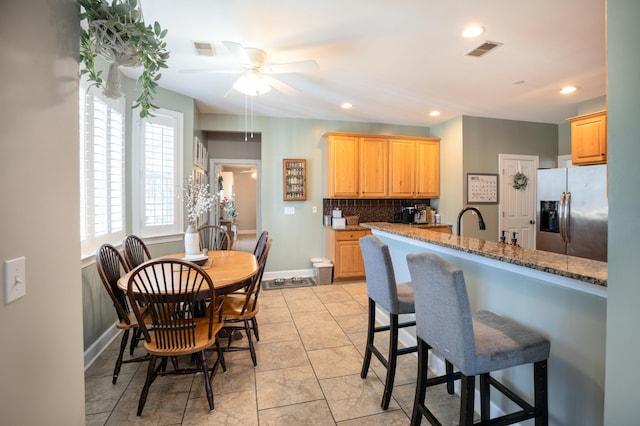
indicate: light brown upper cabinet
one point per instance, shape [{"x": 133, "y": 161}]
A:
[
  {"x": 386, "y": 166},
  {"x": 589, "y": 138},
  {"x": 402, "y": 176},
  {"x": 343, "y": 154},
  {"x": 374, "y": 167},
  {"x": 427, "y": 169}
]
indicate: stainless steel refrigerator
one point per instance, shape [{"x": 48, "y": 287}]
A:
[{"x": 572, "y": 211}]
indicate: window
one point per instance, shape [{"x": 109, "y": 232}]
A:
[
  {"x": 101, "y": 171},
  {"x": 157, "y": 175}
]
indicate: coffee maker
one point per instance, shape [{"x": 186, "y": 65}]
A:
[{"x": 408, "y": 214}]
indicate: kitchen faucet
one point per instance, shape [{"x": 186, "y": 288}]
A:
[{"x": 480, "y": 220}]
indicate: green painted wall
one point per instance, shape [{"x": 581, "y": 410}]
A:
[
  {"x": 623, "y": 316},
  {"x": 451, "y": 177},
  {"x": 484, "y": 139},
  {"x": 298, "y": 237}
]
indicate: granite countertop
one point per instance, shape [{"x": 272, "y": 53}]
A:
[
  {"x": 586, "y": 270},
  {"x": 348, "y": 228}
]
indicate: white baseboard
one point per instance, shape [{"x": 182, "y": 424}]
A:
[
  {"x": 288, "y": 274},
  {"x": 92, "y": 353}
]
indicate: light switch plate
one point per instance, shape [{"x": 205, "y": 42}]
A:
[
  {"x": 289, "y": 210},
  {"x": 14, "y": 279}
]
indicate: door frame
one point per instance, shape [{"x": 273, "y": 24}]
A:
[
  {"x": 533, "y": 184},
  {"x": 216, "y": 162}
]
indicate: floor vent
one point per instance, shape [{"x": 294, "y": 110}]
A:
[
  {"x": 484, "y": 48},
  {"x": 204, "y": 48}
]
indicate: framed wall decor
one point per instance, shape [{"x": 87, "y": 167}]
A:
[
  {"x": 482, "y": 188},
  {"x": 294, "y": 179}
]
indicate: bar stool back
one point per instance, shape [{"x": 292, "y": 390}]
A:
[
  {"x": 477, "y": 344},
  {"x": 395, "y": 298}
]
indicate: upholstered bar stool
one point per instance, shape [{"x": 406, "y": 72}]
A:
[
  {"x": 397, "y": 299},
  {"x": 476, "y": 344}
]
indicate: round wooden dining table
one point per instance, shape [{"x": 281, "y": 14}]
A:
[{"x": 229, "y": 269}]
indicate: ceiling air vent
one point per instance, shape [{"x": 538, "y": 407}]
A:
[
  {"x": 484, "y": 48},
  {"x": 203, "y": 48}
]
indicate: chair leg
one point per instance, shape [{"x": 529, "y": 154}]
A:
[
  {"x": 254, "y": 325},
  {"x": 151, "y": 371},
  {"x": 391, "y": 361},
  {"x": 205, "y": 377},
  {"x": 421, "y": 382},
  {"x": 251, "y": 348},
  {"x": 123, "y": 345},
  {"x": 485, "y": 397},
  {"x": 467, "y": 388},
  {"x": 135, "y": 338},
  {"x": 221, "y": 355},
  {"x": 370, "y": 335},
  {"x": 540, "y": 392}
]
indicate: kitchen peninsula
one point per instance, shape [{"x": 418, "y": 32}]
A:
[
  {"x": 562, "y": 297},
  {"x": 584, "y": 270}
]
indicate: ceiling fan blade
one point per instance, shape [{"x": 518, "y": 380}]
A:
[
  {"x": 281, "y": 86},
  {"x": 210, "y": 71},
  {"x": 231, "y": 89},
  {"x": 291, "y": 67},
  {"x": 238, "y": 51}
]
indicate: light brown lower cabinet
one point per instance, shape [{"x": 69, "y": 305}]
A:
[{"x": 343, "y": 249}]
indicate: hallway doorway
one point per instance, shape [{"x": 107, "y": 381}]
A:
[{"x": 241, "y": 181}]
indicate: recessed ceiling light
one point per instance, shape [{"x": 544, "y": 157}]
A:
[
  {"x": 568, "y": 89},
  {"x": 346, "y": 105},
  {"x": 434, "y": 113},
  {"x": 472, "y": 31},
  {"x": 518, "y": 82}
]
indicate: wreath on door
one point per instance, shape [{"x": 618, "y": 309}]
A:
[{"x": 520, "y": 181}]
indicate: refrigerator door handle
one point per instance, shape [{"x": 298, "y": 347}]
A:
[
  {"x": 562, "y": 221},
  {"x": 567, "y": 217}
]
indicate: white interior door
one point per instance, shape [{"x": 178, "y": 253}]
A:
[{"x": 518, "y": 206}]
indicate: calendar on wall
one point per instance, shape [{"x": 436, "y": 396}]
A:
[{"x": 482, "y": 188}]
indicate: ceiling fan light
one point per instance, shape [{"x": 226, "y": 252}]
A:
[{"x": 252, "y": 83}]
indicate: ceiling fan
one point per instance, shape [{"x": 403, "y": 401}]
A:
[{"x": 256, "y": 74}]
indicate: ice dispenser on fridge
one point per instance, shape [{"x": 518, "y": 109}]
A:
[{"x": 549, "y": 216}]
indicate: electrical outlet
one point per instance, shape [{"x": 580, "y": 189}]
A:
[{"x": 14, "y": 279}]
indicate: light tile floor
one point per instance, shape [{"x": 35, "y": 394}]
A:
[{"x": 309, "y": 359}]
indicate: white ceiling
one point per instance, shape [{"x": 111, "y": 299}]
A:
[{"x": 394, "y": 61}]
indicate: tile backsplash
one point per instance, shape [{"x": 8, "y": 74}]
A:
[{"x": 376, "y": 210}]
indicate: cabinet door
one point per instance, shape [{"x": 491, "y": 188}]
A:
[
  {"x": 589, "y": 139},
  {"x": 342, "y": 170},
  {"x": 427, "y": 169},
  {"x": 374, "y": 166},
  {"x": 401, "y": 168},
  {"x": 349, "y": 261}
]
